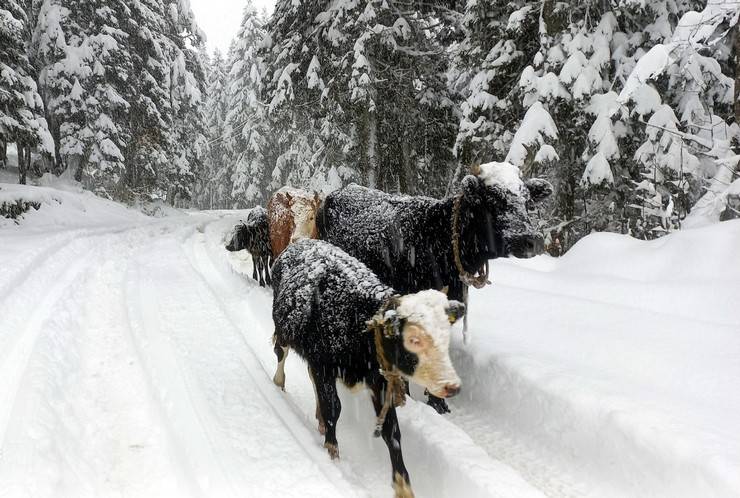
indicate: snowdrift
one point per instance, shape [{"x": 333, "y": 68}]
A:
[
  {"x": 618, "y": 363},
  {"x": 65, "y": 205}
]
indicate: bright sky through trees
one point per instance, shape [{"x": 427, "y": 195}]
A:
[{"x": 219, "y": 19}]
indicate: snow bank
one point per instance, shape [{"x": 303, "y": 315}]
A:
[
  {"x": 63, "y": 209},
  {"x": 617, "y": 363}
]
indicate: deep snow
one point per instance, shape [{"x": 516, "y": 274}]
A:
[{"x": 135, "y": 360}]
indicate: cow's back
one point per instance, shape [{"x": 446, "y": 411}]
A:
[
  {"x": 322, "y": 298},
  {"x": 388, "y": 233}
]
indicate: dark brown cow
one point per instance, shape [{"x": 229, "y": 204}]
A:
[{"x": 291, "y": 213}]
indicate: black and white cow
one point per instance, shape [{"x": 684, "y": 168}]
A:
[
  {"x": 254, "y": 236},
  {"x": 323, "y": 301},
  {"x": 408, "y": 240}
]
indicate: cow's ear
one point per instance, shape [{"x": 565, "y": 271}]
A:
[
  {"x": 455, "y": 310},
  {"x": 471, "y": 189},
  {"x": 539, "y": 189}
]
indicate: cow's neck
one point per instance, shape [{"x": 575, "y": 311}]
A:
[{"x": 470, "y": 254}]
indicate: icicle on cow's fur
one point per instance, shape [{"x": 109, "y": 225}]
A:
[
  {"x": 324, "y": 302},
  {"x": 408, "y": 241}
]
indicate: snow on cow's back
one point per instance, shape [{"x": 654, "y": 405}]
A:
[
  {"x": 504, "y": 174},
  {"x": 307, "y": 261}
]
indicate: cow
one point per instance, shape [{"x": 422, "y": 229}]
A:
[
  {"x": 292, "y": 215},
  {"x": 253, "y": 235},
  {"x": 348, "y": 325},
  {"x": 414, "y": 243}
]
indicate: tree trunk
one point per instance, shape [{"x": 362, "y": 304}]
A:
[
  {"x": 3, "y": 153},
  {"x": 22, "y": 164}
]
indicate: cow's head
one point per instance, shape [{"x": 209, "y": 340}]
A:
[
  {"x": 239, "y": 238},
  {"x": 498, "y": 222},
  {"x": 304, "y": 211},
  {"x": 420, "y": 339}
]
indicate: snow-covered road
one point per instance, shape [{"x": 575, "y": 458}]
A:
[{"x": 135, "y": 360}]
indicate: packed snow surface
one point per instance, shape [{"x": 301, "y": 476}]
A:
[{"x": 135, "y": 360}]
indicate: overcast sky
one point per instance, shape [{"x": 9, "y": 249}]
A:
[{"x": 220, "y": 19}]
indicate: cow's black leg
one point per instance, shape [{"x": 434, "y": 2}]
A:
[
  {"x": 319, "y": 418},
  {"x": 392, "y": 436},
  {"x": 330, "y": 407},
  {"x": 260, "y": 270},
  {"x": 266, "y": 265},
  {"x": 254, "y": 267}
]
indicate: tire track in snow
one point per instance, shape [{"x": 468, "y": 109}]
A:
[
  {"x": 442, "y": 460},
  {"x": 15, "y": 274},
  {"x": 231, "y": 435},
  {"x": 23, "y": 314},
  {"x": 82, "y": 426}
]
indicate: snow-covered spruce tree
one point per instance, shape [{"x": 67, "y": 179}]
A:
[
  {"x": 687, "y": 145},
  {"x": 210, "y": 188},
  {"x": 21, "y": 106},
  {"x": 360, "y": 90},
  {"x": 167, "y": 140},
  {"x": 247, "y": 141},
  {"x": 501, "y": 39},
  {"x": 566, "y": 119},
  {"x": 81, "y": 51},
  {"x": 123, "y": 85}
]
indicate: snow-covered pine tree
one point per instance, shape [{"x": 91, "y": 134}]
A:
[
  {"x": 84, "y": 64},
  {"x": 359, "y": 91},
  {"x": 211, "y": 191},
  {"x": 123, "y": 86},
  {"x": 686, "y": 80},
  {"x": 501, "y": 39},
  {"x": 21, "y": 108},
  {"x": 246, "y": 141},
  {"x": 167, "y": 141}
]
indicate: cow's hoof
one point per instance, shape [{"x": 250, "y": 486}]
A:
[
  {"x": 280, "y": 382},
  {"x": 401, "y": 487},
  {"x": 438, "y": 404},
  {"x": 333, "y": 450}
]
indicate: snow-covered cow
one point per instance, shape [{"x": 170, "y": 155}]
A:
[
  {"x": 254, "y": 236},
  {"x": 414, "y": 242},
  {"x": 339, "y": 317},
  {"x": 292, "y": 215}
]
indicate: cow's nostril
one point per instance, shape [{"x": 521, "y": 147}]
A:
[{"x": 451, "y": 391}]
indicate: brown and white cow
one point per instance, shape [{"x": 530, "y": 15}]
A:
[{"x": 291, "y": 213}]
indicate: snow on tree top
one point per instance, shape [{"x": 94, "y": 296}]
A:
[
  {"x": 504, "y": 174},
  {"x": 597, "y": 171}
]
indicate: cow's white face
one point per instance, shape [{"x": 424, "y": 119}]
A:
[
  {"x": 427, "y": 317},
  {"x": 304, "y": 217}
]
